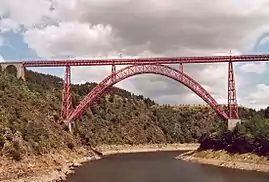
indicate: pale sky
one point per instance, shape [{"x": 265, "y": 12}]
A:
[{"x": 40, "y": 29}]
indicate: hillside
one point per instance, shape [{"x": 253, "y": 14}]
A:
[
  {"x": 121, "y": 117},
  {"x": 246, "y": 147},
  {"x": 251, "y": 136},
  {"x": 30, "y": 113},
  {"x": 30, "y": 127}
]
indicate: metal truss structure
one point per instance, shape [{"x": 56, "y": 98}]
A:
[
  {"x": 137, "y": 66},
  {"x": 66, "y": 94},
  {"x": 129, "y": 71},
  {"x": 144, "y": 61}
]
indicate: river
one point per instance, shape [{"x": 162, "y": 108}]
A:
[{"x": 158, "y": 167}]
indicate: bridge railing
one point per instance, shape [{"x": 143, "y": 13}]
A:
[{"x": 196, "y": 106}]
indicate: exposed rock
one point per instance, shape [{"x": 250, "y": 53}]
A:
[
  {"x": 223, "y": 159},
  {"x": 34, "y": 169}
]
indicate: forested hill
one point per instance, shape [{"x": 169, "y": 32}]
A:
[
  {"x": 252, "y": 136},
  {"x": 29, "y": 118}
]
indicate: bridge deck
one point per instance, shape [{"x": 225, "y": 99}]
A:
[{"x": 133, "y": 61}]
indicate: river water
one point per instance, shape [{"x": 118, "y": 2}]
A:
[{"x": 158, "y": 167}]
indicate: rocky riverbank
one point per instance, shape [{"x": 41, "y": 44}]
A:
[
  {"x": 114, "y": 149},
  {"x": 57, "y": 165},
  {"x": 46, "y": 168},
  {"x": 224, "y": 159}
]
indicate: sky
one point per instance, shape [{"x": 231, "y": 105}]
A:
[{"x": 49, "y": 29}]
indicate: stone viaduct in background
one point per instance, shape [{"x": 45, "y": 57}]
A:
[{"x": 16, "y": 67}]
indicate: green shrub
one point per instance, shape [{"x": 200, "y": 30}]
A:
[{"x": 16, "y": 154}]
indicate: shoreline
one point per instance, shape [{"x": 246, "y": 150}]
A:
[
  {"x": 121, "y": 149},
  {"x": 247, "y": 162},
  {"x": 50, "y": 167},
  {"x": 57, "y": 165}
]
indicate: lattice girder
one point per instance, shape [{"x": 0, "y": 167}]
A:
[{"x": 145, "y": 69}]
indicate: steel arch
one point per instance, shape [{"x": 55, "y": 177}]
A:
[{"x": 129, "y": 71}]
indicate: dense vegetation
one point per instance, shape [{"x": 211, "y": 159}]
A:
[
  {"x": 252, "y": 136},
  {"x": 29, "y": 118}
]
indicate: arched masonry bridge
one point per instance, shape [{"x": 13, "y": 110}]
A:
[{"x": 136, "y": 66}]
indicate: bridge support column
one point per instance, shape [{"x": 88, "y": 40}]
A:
[
  {"x": 232, "y": 123},
  {"x": 232, "y": 101},
  {"x": 113, "y": 72},
  {"x": 21, "y": 72},
  {"x": 20, "y": 69},
  {"x": 66, "y": 94},
  {"x": 181, "y": 67},
  {"x": 69, "y": 125}
]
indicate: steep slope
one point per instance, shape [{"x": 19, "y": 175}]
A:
[
  {"x": 251, "y": 136},
  {"x": 28, "y": 119},
  {"x": 30, "y": 131},
  {"x": 30, "y": 112}
]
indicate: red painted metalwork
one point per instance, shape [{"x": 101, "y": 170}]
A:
[
  {"x": 181, "y": 67},
  {"x": 232, "y": 101},
  {"x": 66, "y": 95},
  {"x": 144, "y": 61},
  {"x": 113, "y": 72},
  {"x": 145, "y": 69}
]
